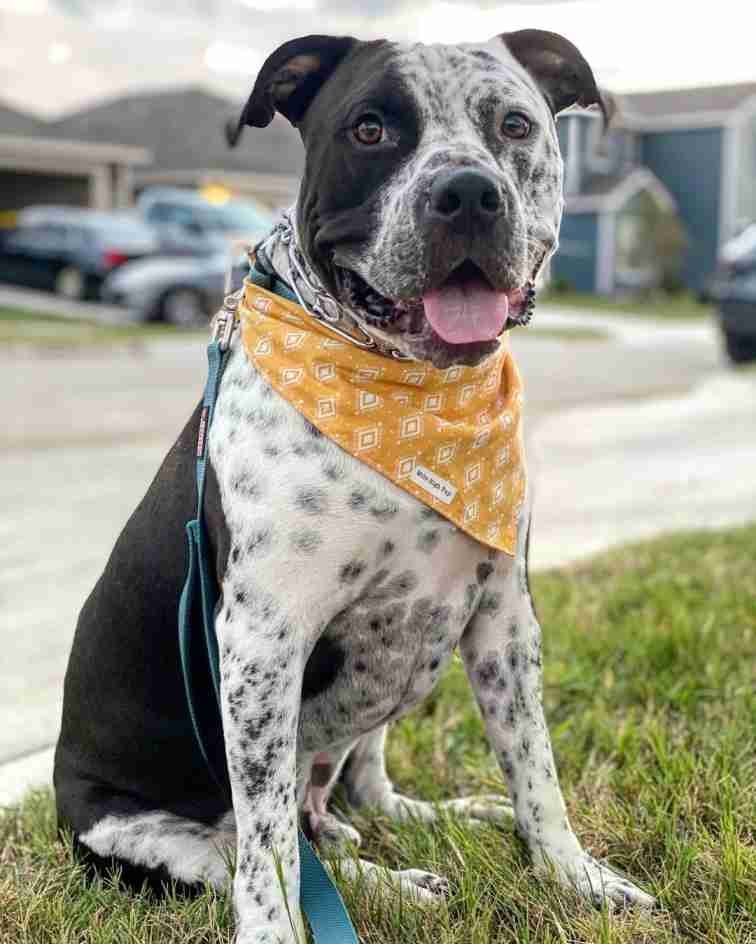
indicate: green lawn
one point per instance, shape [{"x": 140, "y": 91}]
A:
[
  {"x": 650, "y": 655},
  {"x": 50, "y": 332},
  {"x": 662, "y": 307},
  {"x": 53, "y": 331}
]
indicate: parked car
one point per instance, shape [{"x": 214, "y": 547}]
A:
[
  {"x": 733, "y": 290},
  {"x": 71, "y": 250},
  {"x": 186, "y": 223},
  {"x": 737, "y": 315},
  {"x": 181, "y": 291}
]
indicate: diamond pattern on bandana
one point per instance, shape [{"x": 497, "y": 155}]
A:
[
  {"x": 405, "y": 467},
  {"x": 367, "y": 400},
  {"x": 410, "y": 427},
  {"x": 368, "y": 438},
  {"x": 451, "y": 438},
  {"x": 325, "y": 372}
]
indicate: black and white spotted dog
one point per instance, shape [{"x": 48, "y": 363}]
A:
[{"x": 432, "y": 187}]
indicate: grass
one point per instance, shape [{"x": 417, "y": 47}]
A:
[
  {"x": 52, "y": 331},
  {"x": 650, "y": 653},
  {"x": 571, "y": 333},
  {"x": 659, "y": 307}
]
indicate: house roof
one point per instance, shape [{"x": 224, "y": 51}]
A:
[
  {"x": 17, "y": 122},
  {"x": 690, "y": 102},
  {"x": 608, "y": 193},
  {"x": 600, "y": 185},
  {"x": 183, "y": 128}
]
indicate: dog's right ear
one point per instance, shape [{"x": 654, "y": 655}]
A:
[{"x": 289, "y": 80}]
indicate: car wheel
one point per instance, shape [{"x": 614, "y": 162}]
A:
[
  {"x": 183, "y": 308},
  {"x": 741, "y": 348},
  {"x": 71, "y": 283}
]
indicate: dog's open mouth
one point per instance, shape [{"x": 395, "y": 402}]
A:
[{"x": 464, "y": 309}]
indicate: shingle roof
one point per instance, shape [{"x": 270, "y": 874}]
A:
[
  {"x": 711, "y": 98},
  {"x": 17, "y": 122},
  {"x": 599, "y": 185},
  {"x": 183, "y": 128}
]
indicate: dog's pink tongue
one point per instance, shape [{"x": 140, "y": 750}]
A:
[{"x": 467, "y": 312}]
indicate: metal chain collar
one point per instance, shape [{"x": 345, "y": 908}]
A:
[{"x": 324, "y": 307}]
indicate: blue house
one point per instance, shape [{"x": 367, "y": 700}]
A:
[{"x": 689, "y": 154}]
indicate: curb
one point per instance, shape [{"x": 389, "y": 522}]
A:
[{"x": 20, "y": 775}]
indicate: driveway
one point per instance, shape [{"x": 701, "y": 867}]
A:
[{"x": 628, "y": 436}]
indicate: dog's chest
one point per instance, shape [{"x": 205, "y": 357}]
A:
[{"x": 379, "y": 586}]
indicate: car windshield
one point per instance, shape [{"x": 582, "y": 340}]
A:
[
  {"x": 235, "y": 218},
  {"x": 122, "y": 229}
]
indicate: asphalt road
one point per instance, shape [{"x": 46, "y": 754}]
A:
[{"x": 628, "y": 436}]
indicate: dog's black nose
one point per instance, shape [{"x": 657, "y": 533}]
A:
[{"x": 464, "y": 196}]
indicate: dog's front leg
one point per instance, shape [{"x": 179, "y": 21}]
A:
[
  {"x": 502, "y": 653},
  {"x": 262, "y": 660}
]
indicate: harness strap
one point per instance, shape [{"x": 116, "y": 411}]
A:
[{"x": 319, "y": 898}]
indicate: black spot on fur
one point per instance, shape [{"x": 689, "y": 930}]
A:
[
  {"x": 323, "y": 667},
  {"x": 306, "y": 542},
  {"x": 428, "y": 541},
  {"x": 312, "y": 501},
  {"x": 483, "y": 571},
  {"x": 357, "y": 500},
  {"x": 245, "y": 485},
  {"x": 259, "y": 541},
  {"x": 384, "y": 511},
  {"x": 490, "y": 603},
  {"x": 351, "y": 571},
  {"x": 332, "y": 471},
  {"x": 488, "y": 672}
]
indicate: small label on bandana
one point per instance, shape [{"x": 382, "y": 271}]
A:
[{"x": 441, "y": 489}]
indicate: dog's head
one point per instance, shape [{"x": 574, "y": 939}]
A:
[{"x": 432, "y": 191}]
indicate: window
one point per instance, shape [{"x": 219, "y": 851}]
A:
[{"x": 745, "y": 208}]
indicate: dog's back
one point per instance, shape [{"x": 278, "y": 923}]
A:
[{"x": 127, "y": 641}]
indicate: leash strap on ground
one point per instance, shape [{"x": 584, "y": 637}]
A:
[{"x": 319, "y": 898}]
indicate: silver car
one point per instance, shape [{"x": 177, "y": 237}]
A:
[{"x": 179, "y": 290}]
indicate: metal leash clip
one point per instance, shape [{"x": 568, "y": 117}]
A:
[
  {"x": 225, "y": 320},
  {"x": 323, "y": 307}
]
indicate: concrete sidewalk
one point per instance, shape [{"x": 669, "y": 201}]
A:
[
  {"x": 46, "y": 303},
  {"x": 609, "y": 459}
]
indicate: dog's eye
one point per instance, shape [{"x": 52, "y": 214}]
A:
[
  {"x": 369, "y": 130},
  {"x": 516, "y": 125}
]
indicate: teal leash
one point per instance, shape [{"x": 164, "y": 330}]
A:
[{"x": 319, "y": 898}]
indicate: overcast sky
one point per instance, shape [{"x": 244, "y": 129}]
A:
[{"x": 58, "y": 54}]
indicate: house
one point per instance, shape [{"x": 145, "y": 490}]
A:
[
  {"x": 38, "y": 165},
  {"x": 101, "y": 156},
  {"x": 688, "y": 155},
  {"x": 183, "y": 130}
]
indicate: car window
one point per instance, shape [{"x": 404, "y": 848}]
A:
[
  {"x": 122, "y": 230},
  {"x": 237, "y": 218},
  {"x": 173, "y": 213},
  {"x": 78, "y": 237},
  {"x": 41, "y": 237}
]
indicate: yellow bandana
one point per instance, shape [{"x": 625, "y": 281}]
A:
[{"x": 452, "y": 438}]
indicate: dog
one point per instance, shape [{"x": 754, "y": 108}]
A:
[{"x": 432, "y": 173}]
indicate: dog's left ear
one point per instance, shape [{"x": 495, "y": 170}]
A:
[
  {"x": 565, "y": 78},
  {"x": 289, "y": 80}
]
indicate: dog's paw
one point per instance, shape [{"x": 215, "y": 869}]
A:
[
  {"x": 481, "y": 809},
  {"x": 477, "y": 809},
  {"x": 423, "y": 887},
  {"x": 331, "y": 835},
  {"x": 602, "y": 885},
  {"x": 415, "y": 885}
]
